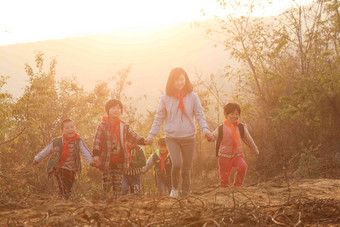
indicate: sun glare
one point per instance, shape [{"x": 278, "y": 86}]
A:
[
  {"x": 35, "y": 20},
  {"x": 25, "y": 21}
]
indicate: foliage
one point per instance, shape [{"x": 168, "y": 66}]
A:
[
  {"x": 30, "y": 123},
  {"x": 309, "y": 165},
  {"x": 290, "y": 78},
  {"x": 286, "y": 78}
]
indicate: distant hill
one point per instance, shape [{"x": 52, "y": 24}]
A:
[{"x": 150, "y": 51}]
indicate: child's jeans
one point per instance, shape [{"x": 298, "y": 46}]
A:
[
  {"x": 226, "y": 165},
  {"x": 163, "y": 182},
  {"x": 65, "y": 179},
  {"x": 112, "y": 178},
  {"x": 132, "y": 183}
]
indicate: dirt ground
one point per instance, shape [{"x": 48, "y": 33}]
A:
[{"x": 312, "y": 202}]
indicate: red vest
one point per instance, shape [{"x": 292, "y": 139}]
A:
[{"x": 226, "y": 146}]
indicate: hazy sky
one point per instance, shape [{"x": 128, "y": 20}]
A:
[{"x": 35, "y": 20}]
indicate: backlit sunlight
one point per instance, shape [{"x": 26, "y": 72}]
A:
[{"x": 27, "y": 21}]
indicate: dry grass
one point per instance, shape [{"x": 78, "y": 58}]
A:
[{"x": 312, "y": 202}]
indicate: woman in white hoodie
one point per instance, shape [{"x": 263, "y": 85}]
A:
[{"x": 178, "y": 108}]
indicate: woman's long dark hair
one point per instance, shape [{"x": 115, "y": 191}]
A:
[{"x": 175, "y": 73}]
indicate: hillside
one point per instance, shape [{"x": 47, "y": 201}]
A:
[
  {"x": 306, "y": 202},
  {"x": 151, "y": 52}
]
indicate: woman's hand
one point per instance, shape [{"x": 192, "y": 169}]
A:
[{"x": 209, "y": 136}]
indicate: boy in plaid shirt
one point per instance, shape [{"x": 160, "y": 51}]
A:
[{"x": 109, "y": 147}]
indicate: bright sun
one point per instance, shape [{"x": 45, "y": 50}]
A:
[{"x": 35, "y": 20}]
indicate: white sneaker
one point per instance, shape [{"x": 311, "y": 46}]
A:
[{"x": 174, "y": 193}]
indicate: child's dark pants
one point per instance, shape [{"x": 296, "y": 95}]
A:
[
  {"x": 65, "y": 179},
  {"x": 132, "y": 183}
]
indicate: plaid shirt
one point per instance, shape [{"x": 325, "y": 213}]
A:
[{"x": 102, "y": 145}]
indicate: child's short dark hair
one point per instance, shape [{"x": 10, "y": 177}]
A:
[
  {"x": 231, "y": 107},
  {"x": 161, "y": 142},
  {"x": 111, "y": 103},
  {"x": 64, "y": 121}
]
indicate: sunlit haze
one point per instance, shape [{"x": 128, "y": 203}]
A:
[{"x": 35, "y": 20}]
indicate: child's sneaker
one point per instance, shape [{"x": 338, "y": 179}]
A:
[{"x": 174, "y": 193}]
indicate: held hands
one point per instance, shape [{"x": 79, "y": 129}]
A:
[
  {"x": 148, "y": 141},
  {"x": 209, "y": 136},
  {"x": 96, "y": 162}
]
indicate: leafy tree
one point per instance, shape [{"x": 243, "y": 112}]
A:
[
  {"x": 34, "y": 119},
  {"x": 119, "y": 88},
  {"x": 6, "y": 103},
  {"x": 290, "y": 74}
]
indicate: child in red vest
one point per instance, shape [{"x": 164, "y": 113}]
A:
[
  {"x": 109, "y": 147},
  {"x": 161, "y": 161},
  {"x": 229, "y": 149},
  {"x": 65, "y": 157}
]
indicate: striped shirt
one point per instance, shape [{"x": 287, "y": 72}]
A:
[
  {"x": 70, "y": 163},
  {"x": 133, "y": 171}
]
